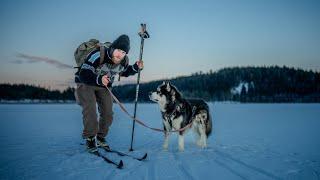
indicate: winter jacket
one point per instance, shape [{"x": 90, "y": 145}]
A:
[{"x": 91, "y": 71}]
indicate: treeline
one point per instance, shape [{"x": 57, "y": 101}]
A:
[
  {"x": 21, "y": 92},
  {"x": 242, "y": 84}
]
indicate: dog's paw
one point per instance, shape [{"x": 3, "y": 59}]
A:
[
  {"x": 165, "y": 147},
  {"x": 181, "y": 148},
  {"x": 203, "y": 145}
]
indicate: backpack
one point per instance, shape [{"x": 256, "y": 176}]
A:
[{"x": 85, "y": 48}]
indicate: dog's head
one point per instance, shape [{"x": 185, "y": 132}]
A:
[{"x": 166, "y": 93}]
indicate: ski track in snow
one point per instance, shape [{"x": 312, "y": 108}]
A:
[
  {"x": 249, "y": 167},
  {"x": 233, "y": 171},
  {"x": 248, "y": 171},
  {"x": 185, "y": 170},
  {"x": 150, "y": 173}
]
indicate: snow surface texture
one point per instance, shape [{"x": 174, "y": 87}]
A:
[{"x": 249, "y": 141}]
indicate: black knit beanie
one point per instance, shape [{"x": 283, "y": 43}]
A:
[{"x": 122, "y": 42}]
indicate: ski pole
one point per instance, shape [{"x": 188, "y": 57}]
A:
[{"x": 143, "y": 35}]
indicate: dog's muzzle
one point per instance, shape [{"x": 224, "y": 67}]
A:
[{"x": 151, "y": 97}]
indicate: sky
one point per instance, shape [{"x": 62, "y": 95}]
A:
[{"x": 186, "y": 36}]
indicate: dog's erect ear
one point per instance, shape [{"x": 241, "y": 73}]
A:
[
  {"x": 173, "y": 92},
  {"x": 178, "y": 108},
  {"x": 164, "y": 83},
  {"x": 168, "y": 87},
  {"x": 173, "y": 95}
]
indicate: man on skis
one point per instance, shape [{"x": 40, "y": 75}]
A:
[{"x": 92, "y": 79}]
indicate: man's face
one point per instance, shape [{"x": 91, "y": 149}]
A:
[{"x": 118, "y": 55}]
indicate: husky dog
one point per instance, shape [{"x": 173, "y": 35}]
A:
[{"x": 177, "y": 112}]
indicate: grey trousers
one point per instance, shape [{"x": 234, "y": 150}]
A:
[{"x": 88, "y": 97}]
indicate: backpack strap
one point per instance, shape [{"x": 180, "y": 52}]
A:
[{"x": 102, "y": 53}]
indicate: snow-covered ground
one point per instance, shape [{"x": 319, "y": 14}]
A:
[{"x": 250, "y": 141}]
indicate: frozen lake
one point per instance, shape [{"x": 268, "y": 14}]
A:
[{"x": 249, "y": 141}]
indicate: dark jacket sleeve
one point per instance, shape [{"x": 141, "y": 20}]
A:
[
  {"x": 130, "y": 70},
  {"x": 88, "y": 73}
]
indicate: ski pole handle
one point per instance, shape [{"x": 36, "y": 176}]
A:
[{"x": 143, "y": 31}]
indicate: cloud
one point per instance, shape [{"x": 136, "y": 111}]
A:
[{"x": 34, "y": 59}]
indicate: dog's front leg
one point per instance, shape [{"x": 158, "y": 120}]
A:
[
  {"x": 181, "y": 141},
  {"x": 166, "y": 140},
  {"x": 200, "y": 119},
  {"x": 203, "y": 136}
]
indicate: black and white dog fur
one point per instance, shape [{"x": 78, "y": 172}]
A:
[{"x": 177, "y": 112}]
